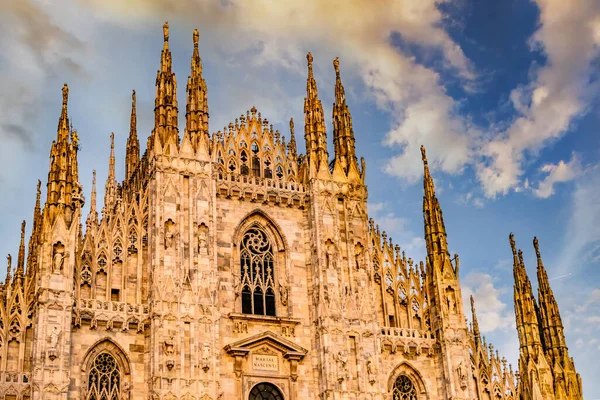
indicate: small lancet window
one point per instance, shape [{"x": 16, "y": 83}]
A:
[
  {"x": 256, "y": 166},
  {"x": 256, "y": 263}
]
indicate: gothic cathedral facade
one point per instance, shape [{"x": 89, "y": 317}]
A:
[{"x": 228, "y": 266}]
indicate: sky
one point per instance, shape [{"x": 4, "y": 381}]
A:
[{"x": 503, "y": 94}]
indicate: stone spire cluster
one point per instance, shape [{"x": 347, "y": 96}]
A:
[
  {"x": 315, "y": 133},
  {"x": 547, "y": 370},
  {"x": 435, "y": 230},
  {"x": 132, "y": 156},
  {"x": 345, "y": 163},
  {"x": 196, "y": 114},
  {"x": 64, "y": 195},
  {"x": 165, "y": 135}
]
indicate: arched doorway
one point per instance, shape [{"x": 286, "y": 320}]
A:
[{"x": 265, "y": 391}]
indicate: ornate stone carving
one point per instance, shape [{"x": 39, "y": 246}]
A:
[
  {"x": 170, "y": 234},
  {"x": 341, "y": 360},
  {"x": 284, "y": 291},
  {"x": 461, "y": 375},
  {"x": 202, "y": 239},
  {"x": 371, "y": 371},
  {"x": 58, "y": 258}
]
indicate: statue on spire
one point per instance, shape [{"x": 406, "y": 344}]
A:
[
  {"x": 65, "y": 94},
  {"x": 536, "y": 246},
  {"x": 166, "y": 31},
  {"x": 196, "y": 37},
  {"x": 513, "y": 246}
]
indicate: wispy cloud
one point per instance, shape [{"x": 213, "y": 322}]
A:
[
  {"x": 557, "y": 173},
  {"x": 582, "y": 236},
  {"x": 558, "y": 92},
  {"x": 492, "y": 313},
  {"x": 34, "y": 50}
]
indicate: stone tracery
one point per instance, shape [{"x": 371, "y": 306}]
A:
[{"x": 257, "y": 273}]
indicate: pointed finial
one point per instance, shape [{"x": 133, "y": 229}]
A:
[
  {"x": 292, "y": 127},
  {"x": 65, "y": 95},
  {"x": 133, "y": 98},
  {"x": 309, "y": 58},
  {"x": 511, "y": 239},
  {"x": 336, "y": 66},
  {"x": 8, "y": 268},
  {"x": 93, "y": 200},
  {"x": 472, "y": 304},
  {"x": 536, "y": 246},
  {"x": 520, "y": 253},
  {"x": 38, "y": 194},
  {"x": 166, "y": 31},
  {"x": 423, "y": 154},
  {"x": 196, "y": 36},
  {"x": 111, "y": 160}
]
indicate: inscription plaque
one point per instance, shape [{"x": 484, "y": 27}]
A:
[{"x": 264, "y": 362}]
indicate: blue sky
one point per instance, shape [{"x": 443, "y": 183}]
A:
[{"x": 502, "y": 93}]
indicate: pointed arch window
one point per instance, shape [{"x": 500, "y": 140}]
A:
[
  {"x": 257, "y": 264},
  {"x": 104, "y": 381},
  {"x": 404, "y": 389}
]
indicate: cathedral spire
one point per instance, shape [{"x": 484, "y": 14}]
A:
[
  {"x": 343, "y": 133},
  {"x": 525, "y": 304},
  {"x": 314, "y": 128},
  {"x": 165, "y": 104},
  {"x": 8, "y": 270},
  {"x": 37, "y": 209},
  {"x": 63, "y": 121},
  {"x": 64, "y": 190},
  {"x": 291, "y": 147},
  {"x": 196, "y": 115},
  {"x": 132, "y": 156},
  {"x": 550, "y": 320},
  {"x": 476, "y": 332},
  {"x": 92, "y": 219},
  {"x": 21, "y": 257},
  {"x": 435, "y": 231},
  {"x": 33, "y": 239},
  {"x": 110, "y": 191}
]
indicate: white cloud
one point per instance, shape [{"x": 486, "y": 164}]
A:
[
  {"x": 279, "y": 33},
  {"x": 471, "y": 198},
  {"x": 34, "y": 49},
  {"x": 261, "y": 34},
  {"x": 559, "y": 92},
  {"x": 557, "y": 173},
  {"x": 492, "y": 313}
]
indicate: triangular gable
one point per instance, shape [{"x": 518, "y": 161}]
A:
[{"x": 288, "y": 348}]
